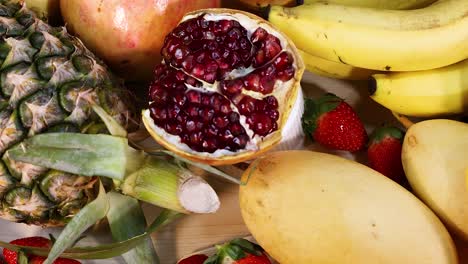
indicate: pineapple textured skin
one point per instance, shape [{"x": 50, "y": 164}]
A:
[{"x": 48, "y": 82}]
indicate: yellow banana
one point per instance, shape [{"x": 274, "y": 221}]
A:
[
  {"x": 428, "y": 93},
  {"x": 389, "y": 40},
  {"x": 380, "y": 4},
  {"x": 333, "y": 69}
]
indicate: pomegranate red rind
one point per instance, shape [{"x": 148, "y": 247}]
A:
[{"x": 225, "y": 89}]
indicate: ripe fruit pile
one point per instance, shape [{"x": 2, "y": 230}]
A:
[{"x": 225, "y": 88}]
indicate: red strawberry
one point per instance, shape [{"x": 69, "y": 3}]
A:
[
  {"x": 384, "y": 152},
  {"x": 334, "y": 124},
  {"x": 11, "y": 256},
  {"x": 194, "y": 259},
  {"x": 253, "y": 259},
  {"x": 241, "y": 251}
]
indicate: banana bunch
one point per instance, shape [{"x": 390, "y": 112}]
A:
[{"x": 414, "y": 52}]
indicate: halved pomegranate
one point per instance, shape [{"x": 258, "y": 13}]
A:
[{"x": 225, "y": 89}]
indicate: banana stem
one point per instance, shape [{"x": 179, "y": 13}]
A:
[{"x": 403, "y": 120}]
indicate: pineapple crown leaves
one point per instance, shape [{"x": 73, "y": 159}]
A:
[
  {"x": 381, "y": 133},
  {"x": 236, "y": 249},
  {"x": 314, "y": 109}
]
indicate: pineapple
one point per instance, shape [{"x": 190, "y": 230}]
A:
[{"x": 48, "y": 80}]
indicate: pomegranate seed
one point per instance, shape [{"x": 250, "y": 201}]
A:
[
  {"x": 181, "y": 118},
  {"x": 232, "y": 87},
  {"x": 259, "y": 58},
  {"x": 226, "y": 136},
  {"x": 233, "y": 117},
  {"x": 247, "y": 105},
  {"x": 262, "y": 124},
  {"x": 272, "y": 46},
  {"x": 261, "y": 106},
  {"x": 188, "y": 63},
  {"x": 216, "y": 101},
  {"x": 225, "y": 107},
  {"x": 287, "y": 74},
  {"x": 206, "y": 100},
  {"x": 196, "y": 138},
  {"x": 200, "y": 57},
  {"x": 198, "y": 70},
  {"x": 193, "y": 82},
  {"x": 215, "y": 55},
  {"x": 267, "y": 85},
  {"x": 158, "y": 113},
  {"x": 158, "y": 95},
  {"x": 210, "y": 77},
  {"x": 259, "y": 35},
  {"x": 271, "y": 101},
  {"x": 239, "y": 142},
  {"x": 179, "y": 99},
  {"x": 252, "y": 82},
  {"x": 236, "y": 129},
  {"x": 172, "y": 111},
  {"x": 193, "y": 97},
  {"x": 179, "y": 55},
  {"x": 274, "y": 127},
  {"x": 282, "y": 60},
  {"x": 220, "y": 121},
  {"x": 207, "y": 114},
  {"x": 234, "y": 34},
  {"x": 225, "y": 25},
  {"x": 234, "y": 58},
  {"x": 211, "y": 131},
  {"x": 174, "y": 128},
  {"x": 273, "y": 114},
  {"x": 193, "y": 111},
  {"x": 180, "y": 76},
  {"x": 210, "y": 145},
  {"x": 196, "y": 34}
]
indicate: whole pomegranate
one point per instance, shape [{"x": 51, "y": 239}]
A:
[
  {"x": 127, "y": 34},
  {"x": 227, "y": 90}
]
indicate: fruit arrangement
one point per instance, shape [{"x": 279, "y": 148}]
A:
[{"x": 221, "y": 90}]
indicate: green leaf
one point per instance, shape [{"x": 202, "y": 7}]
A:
[
  {"x": 308, "y": 118},
  {"x": 381, "y": 133},
  {"x": 22, "y": 258},
  {"x": 165, "y": 217},
  {"x": 102, "y": 251},
  {"x": 234, "y": 251},
  {"x": 86, "y": 217},
  {"x": 76, "y": 153},
  {"x": 126, "y": 220},
  {"x": 245, "y": 245},
  {"x": 314, "y": 109},
  {"x": 114, "y": 128},
  {"x": 214, "y": 259}
]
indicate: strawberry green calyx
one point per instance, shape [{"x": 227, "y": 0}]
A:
[
  {"x": 314, "y": 109},
  {"x": 382, "y": 133},
  {"x": 234, "y": 250}
]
